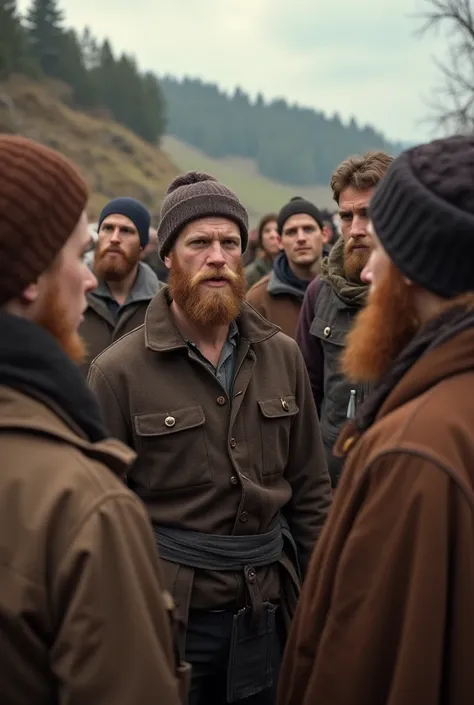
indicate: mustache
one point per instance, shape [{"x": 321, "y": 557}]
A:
[
  {"x": 118, "y": 250},
  {"x": 223, "y": 273},
  {"x": 359, "y": 242}
]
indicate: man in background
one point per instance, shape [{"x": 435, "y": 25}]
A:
[
  {"x": 125, "y": 285},
  {"x": 333, "y": 300},
  {"x": 279, "y": 295}
]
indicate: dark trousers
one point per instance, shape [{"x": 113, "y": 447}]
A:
[{"x": 207, "y": 650}]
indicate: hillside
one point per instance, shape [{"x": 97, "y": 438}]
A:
[
  {"x": 112, "y": 159},
  {"x": 288, "y": 143},
  {"x": 259, "y": 194}
]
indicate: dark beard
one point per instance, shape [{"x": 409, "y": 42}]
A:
[
  {"x": 381, "y": 330},
  {"x": 214, "y": 307}
]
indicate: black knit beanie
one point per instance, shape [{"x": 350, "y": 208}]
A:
[
  {"x": 197, "y": 195},
  {"x": 423, "y": 214},
  {"x": 133, "y": 209},
  {"x": 297, "y": 206}
]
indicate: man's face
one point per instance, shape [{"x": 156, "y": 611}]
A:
[
  {"x": 271, "y": 239},
  {"x": 206, "y": 277},
  {"x": 387, "y": 323},
  {"x": 302, "y": 240},
  {"x": 354, "y": 221},
  {"x": 61, "y": 299},
  {"x": 118, "y": 248}
]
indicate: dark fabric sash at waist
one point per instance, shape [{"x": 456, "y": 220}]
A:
[{"x": 222, "y": 553}]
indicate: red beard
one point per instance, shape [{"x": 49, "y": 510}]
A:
[
  {"x": 354, "y": 261},
  {"x": 381, "y": 330},
  {"x": 53, "y": 317},
  {"x": 117, "y": 268},
  {"x": 212, "y": 307}
]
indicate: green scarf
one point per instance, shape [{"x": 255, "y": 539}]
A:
[{"x": 332, "y": 271}]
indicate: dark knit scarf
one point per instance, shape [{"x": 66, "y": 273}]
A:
[
  {"x": 32, "y": 362},
  {"x": 450, "y": 323},
  {"x": 332, "y": 271},
  {"x": 285, "y": 274}
]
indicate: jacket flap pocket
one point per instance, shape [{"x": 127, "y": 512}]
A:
[
  {"x": 326, "y": 331},
  {"x": 170, "y": 422},
  {"x": 277, "y": 408}
]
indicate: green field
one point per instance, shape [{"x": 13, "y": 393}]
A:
[{"x": 259, "y": 194}]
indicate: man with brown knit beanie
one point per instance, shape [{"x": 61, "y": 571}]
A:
[
  {"x": 84, "y": 617},
  {"x": 387, "y": 611},
  {"x": 218, "y": 404}
]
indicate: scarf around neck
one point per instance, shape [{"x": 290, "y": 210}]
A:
[
  {"x": 332, "y": 271},
  {"x": 32, "y": 362}
]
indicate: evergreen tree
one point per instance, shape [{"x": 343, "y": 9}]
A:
[
  {"x": 44, "y": 25},
  {"x": 14, "y": 51},
  {"x": 90, "y": 50}
]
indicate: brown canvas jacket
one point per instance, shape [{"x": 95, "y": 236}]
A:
[
  {"x": 83, "y": 612},
  {"x": 387, "y": 612},
  {"x": 100, "y": 328},
  {"x": 211, "y": 463},
  {"x": 282, "y": 310}
]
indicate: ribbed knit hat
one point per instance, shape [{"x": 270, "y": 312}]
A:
[
  {"x": 297, "y": 206},
  {"x": 41, "y": 199},
  {"x": 197, "y": 195},
  {"x": 423, "y": 214},
  {"x": 132, "y": 209}
]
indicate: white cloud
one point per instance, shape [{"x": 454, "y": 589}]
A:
[{"x": 359, "y": 59}]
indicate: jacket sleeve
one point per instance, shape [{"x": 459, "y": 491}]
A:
[
  {"x": 310, "y": 345},
  {"x": 116, "y": 423},
  {"x": 113, "y": 638},
  {"x": 306, "y": 470},
  {"x": 387, "y": 594}
]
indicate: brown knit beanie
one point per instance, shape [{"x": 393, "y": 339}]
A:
[
  {"x": 41, "y": 199},
  {"x": 196, "y": 195}
]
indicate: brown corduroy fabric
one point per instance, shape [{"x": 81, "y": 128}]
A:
[
  {"x": 42, "y": 197},
  {"x": 197, "y": 195}
]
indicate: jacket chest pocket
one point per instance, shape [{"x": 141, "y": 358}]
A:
[
  {"x": 276, "y": 416},
  {"x": 330, "y": 331},
  {"x": 172, "y": 449}
]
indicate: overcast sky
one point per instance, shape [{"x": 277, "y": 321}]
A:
[{"x": 357, "y": 57}]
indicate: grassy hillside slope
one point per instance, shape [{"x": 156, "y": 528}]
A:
[
  {"x": 259, "y": 194},
  {"x": 113, "y": 160}
]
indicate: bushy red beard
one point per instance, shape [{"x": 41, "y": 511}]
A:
[
  {"x": 381, "y": 330},
  {"x": 354, "y": 261},
  {"x": 116, "y": 268},
  {"x": 207, "y": 307},
  {"x": 53, "y": 317}
]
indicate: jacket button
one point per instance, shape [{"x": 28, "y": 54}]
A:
[
  {"x": 285, "y": 405},
  {"x": 233, "y": 442},
  {"x": 170, "y": 421},
  {"x": 220, "y": 401},
  {"x": 327, "y": 332},
  {"x": 244, "y": 517},
  {"x": 234, "y": 480}
]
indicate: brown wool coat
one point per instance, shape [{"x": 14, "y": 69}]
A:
[
  {"x": 100, "y": 328},
  {"x": 222, "y": 465},
  {"x": 82, "y": 604},
  {"x": 387, "y": 611},
  {"x": 282, "y": 310}
]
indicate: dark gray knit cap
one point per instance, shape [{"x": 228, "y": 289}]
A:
[
  {"x": 197, "y": 195},
  {"x": 423, "y": 214}
]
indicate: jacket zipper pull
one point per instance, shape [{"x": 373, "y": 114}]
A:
[{"x": 351, "y": 407}]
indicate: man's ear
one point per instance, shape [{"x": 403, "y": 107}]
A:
[
  {"x": 30, "y": 294},
  {"x": 168, "y": 261}
]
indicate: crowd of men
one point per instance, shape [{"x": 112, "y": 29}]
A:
[{"x": 233, "y": 481}]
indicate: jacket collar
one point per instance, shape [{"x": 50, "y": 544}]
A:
[
  {"x": 21, "y": 412},
  {"x": 144, "y": 287},
  {"x": 162, "y": 334},
  {"x": 453, "y": 357}
]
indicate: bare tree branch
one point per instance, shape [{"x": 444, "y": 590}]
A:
[{"x": 452, "y": 104}]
